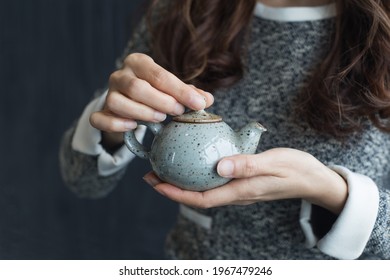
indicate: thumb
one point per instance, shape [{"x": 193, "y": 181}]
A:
[{"x": 240, "y": 166}]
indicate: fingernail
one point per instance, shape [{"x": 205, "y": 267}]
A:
[
  {"x": 225, "y": 168},
  {"x": 130, "y": 125},
  {"x": 179, "y": 109},
  {"x": 160, "y": 191},
  {"x": 151, "y": 181},
  {"x": 158, "y": 116},
  {"x": 211, "y": 97},
  {"x": 197, "y": 101},
  {"x": 209, "y": 94}
]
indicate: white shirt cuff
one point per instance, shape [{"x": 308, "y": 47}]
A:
[
  {"x": 351, "y": 231},
  {"x": 86, "y": 140}
]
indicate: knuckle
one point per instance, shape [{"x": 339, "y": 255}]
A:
[
  {"x": 250, "y": 166},
  {"x": 131, "y": 59},
  {"x": 136, "y": 58},
  {"x": 121, "y": 80},
  {"x": 204, "y": 202},
  {"x": 159, "y": 76},
  {"x": 133, "y": 84},
  {"x": 114, "y": 77},
  {"x": 112, "y": 101},
  {"x": 92, "y": 119}
]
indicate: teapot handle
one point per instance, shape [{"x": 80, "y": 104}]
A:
[{"x": 136, "y": 147}]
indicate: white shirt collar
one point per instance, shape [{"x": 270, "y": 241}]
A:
[{"x": 291, "y": 14}]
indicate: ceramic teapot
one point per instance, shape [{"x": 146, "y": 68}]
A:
[{"x": 185, "y": 152}]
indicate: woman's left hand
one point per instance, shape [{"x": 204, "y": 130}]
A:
[{"x": 279, "y": 173}]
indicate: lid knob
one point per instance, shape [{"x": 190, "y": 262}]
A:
[{"x": 200, "y": 116}]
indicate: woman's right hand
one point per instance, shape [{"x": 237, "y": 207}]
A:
[{"x": 143, "y": 90}]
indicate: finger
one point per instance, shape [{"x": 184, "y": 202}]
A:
[
  {"x": 209, "y": 98},
  {"x": 152, "y": 179},
  {"x": 110, "y": 123},
  {"x": 242, "y": 166},
  {"x": 126, "y": 108},
  {"x": 237, "y": 192},
  {"x": 145, "y": 68},
  {"x": 190, "y": 198},
  {"x": 225, "y": 195},
  {"x": 141, "y": 91}
]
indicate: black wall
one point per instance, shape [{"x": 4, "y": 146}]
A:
[{"x": 53, "y": 56}]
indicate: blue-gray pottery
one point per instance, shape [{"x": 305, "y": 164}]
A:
[{"x": 185, "y": 152}]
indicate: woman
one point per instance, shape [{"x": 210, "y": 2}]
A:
[{"x": 315, "y": 73}]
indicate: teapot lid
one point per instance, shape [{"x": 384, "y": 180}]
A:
[{"x": 200, "y": 116}]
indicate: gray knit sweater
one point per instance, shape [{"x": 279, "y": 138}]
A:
[{"x": 281, "y": 57}]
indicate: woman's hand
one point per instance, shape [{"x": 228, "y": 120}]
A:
[
  {"x": 279, "y": 173},
  {"x": 143, "y": 90}
]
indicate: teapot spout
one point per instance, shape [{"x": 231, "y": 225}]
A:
[{"x": 249, "y": 137}]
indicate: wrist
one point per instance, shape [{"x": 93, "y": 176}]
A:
[{"x": 330, "y": 192}]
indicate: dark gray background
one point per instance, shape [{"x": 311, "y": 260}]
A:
[{"x": 53, "y": 56}]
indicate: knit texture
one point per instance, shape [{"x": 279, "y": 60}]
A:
[{"x": 281, "y": 58}]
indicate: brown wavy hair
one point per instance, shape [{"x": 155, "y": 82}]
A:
[{"x": 204, "y": 43}]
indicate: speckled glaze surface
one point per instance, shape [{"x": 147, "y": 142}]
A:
[{"x": 186, "y": 151}]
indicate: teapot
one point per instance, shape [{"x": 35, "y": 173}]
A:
[{"x": 186, "y": 151}]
